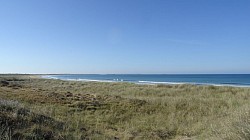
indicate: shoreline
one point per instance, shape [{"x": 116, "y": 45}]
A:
[{"x": 144, "y": 82}]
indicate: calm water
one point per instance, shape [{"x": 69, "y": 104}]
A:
[{"x": 198, "y": 79}]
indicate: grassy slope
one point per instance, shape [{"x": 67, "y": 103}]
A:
[{"x": 79, "y": 110}]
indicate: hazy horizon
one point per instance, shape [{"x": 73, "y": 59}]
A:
[
  {"x": 128, "y": 73},
  {"x": 125, "y": 37}
]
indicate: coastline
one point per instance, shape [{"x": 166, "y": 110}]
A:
[
  {"x": 94, "y": 110},
  {"x": 145, "y": 82}
]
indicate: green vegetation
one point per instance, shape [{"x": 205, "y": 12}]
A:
[{"x": 34, "y": 108}]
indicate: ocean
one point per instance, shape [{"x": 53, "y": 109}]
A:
[{"x": 239, "y": 80}]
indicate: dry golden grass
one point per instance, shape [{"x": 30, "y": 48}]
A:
[{"x": 90, "y": 110}]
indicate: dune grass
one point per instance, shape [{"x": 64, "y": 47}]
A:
[{"x": 91, "y": 110}]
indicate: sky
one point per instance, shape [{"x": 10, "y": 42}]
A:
[{"x": 125, "y": 36}]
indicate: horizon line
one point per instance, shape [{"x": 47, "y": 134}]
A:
[{"x": 122, "y": 73}]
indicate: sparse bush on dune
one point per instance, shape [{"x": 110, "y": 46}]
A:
[
  {"x": 20, "y": 123},
  {"x": 90, "y": 110}
]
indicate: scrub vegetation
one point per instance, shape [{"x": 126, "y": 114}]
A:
[{"x": 35, "y": 108}]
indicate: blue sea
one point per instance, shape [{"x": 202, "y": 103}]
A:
[{"x": 239, "y": 80}]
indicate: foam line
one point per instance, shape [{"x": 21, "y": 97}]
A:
[{"x": 144, "y": 82}]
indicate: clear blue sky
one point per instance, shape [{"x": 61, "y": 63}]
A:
[{"x": 124, "y": 36}]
